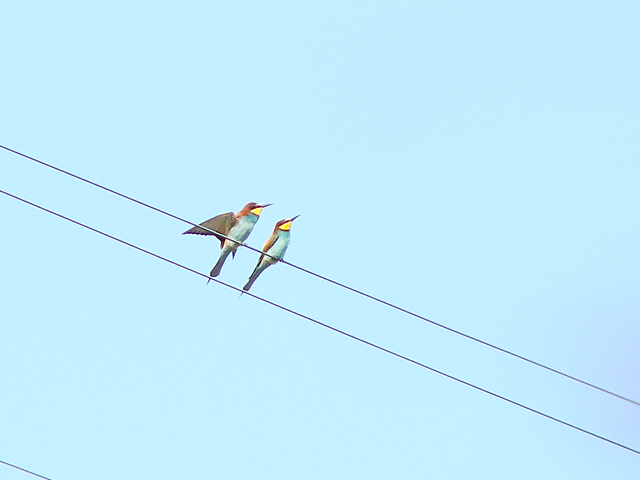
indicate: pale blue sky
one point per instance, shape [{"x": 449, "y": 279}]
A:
[{"x": 475, "y": 162}]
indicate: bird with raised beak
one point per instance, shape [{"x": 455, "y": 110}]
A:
[
  {"x": 236, "y": 227},
  {"x": 273, "y": 250}
]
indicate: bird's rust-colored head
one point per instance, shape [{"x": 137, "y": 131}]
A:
[
  {"x": 252, "y": 207},
  {"x": 285, "y": 225}
]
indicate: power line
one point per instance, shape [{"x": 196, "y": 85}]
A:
[
  {"x": 466, "y": 335},
  {"x": 354, "y": 290},
  {"x": 24, "y": 470},
  {"x": 334, "y": 329},
  {"x": 127, "y": 197}
]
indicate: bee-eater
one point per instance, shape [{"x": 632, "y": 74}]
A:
[
  {"x": 238, "y": 227},
  {"x": 274, "y": 248}
]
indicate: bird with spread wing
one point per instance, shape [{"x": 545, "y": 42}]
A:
[{"x": 231, "y": 229}]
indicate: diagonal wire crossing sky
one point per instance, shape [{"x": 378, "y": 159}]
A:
[
  {"x": 334, "y": 329},
  {"x": 354, "y": 290}
]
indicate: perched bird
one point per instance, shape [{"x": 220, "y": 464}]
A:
[
  {"x": 275, "y": 247},
  {"x": 238, "y": 227}
]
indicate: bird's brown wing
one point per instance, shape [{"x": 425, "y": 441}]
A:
[
  {"x": 270, "y": 242},
  {"x": 272, "y": 239},
  {"x": 220, "y": 223}
]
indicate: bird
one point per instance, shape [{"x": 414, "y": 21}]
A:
[
  {"x": 274, "y": 249},
  {"x": 235, "y": 226}
]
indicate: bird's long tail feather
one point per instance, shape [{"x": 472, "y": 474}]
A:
[
  {"x": 215, "y": 271},
  {"x": 256, "y": 273}
]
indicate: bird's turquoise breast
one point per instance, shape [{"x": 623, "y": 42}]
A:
[
  {"x": 280, "y": 245},
  {"x": 241, "y": 230}
]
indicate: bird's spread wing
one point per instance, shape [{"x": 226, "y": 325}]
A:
[{"x": 220, "y": 223}]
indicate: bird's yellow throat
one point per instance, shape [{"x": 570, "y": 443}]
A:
[{"x": 257, "y": 211}]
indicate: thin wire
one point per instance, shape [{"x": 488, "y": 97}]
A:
[
  {"x": 466, "y": 335},
  {"x": 354, "y": 290},
  {"x": 24, "y": 470},
  {"x": 334, "y": 329},
  {"x": 127, "y": 197}
]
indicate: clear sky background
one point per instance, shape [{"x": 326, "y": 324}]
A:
[{"x": 476, "y": 162}]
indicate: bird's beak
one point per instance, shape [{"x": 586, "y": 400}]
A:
[
  {"x": 258, "y": 209},
  {"x": 286, "y": 226}
]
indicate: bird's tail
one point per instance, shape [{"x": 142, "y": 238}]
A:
[
  {"x": 215, "y": 271},
  {"x": 256, "y": 273}
]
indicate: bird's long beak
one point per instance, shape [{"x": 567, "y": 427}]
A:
[
  {"x": 286, "y": 226},
  {"x": 258, "y": 209}
]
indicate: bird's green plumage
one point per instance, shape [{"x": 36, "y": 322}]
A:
[{"x": 275, "y": 249}]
